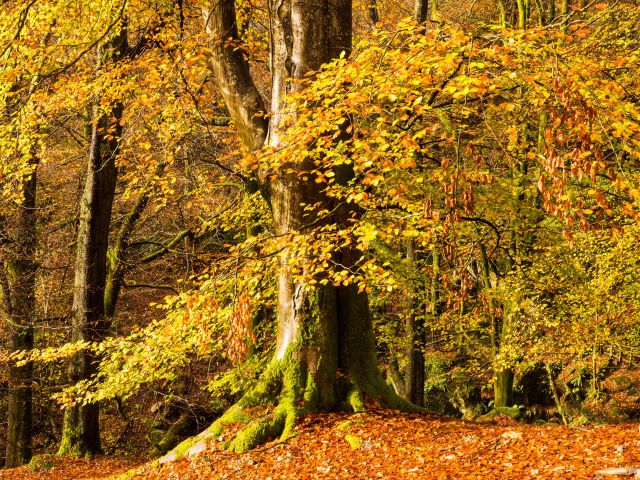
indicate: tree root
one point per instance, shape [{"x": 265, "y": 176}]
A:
[{"x": 287, "y": 389}]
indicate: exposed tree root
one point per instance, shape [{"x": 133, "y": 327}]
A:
[{"x": 288, "y": 391}]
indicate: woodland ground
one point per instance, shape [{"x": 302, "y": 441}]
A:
[{"x": 389, "y": 445}]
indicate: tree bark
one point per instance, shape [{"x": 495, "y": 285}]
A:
[
  {"x": 564, "y": 15},
  {"x": 19, "y": 302},
  {"x": 231, "y": 72},
  {"x": 304, "y": 36},
  {"x": 503, "y": 388},
  {"x": 374, "y": 13},
  {"x": 421, "y": 11},
  {"x": 81, "y": 431},
  {"x": 414, "y": 373}
]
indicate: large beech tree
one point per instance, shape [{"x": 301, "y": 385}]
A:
[{"x": 325, "y": 352}]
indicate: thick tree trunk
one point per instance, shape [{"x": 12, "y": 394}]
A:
[
  {"x": 19, "y": 300},
  {"x": 304, "y": 36},
  {"x": 81, "y": 432}
]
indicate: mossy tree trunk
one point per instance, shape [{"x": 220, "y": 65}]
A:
[
  {"x": 19, "y": 304},
  {"x": 117, "y": 260},
  {"x": 503, "y": 388},
  {"x": 325, "y": 353},
  {"x": 564, "y": 14},
  {"x": 81, "y": 431}
]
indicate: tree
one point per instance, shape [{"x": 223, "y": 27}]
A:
[
  {"x": 81, "y": 431},
  {"x": 324, "y": 331},
  {"x": 421, "y": 11},
  {"x": 18, "y": 295}
]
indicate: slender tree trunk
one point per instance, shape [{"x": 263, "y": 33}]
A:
[
  {"x": 552, "y": 11},
  {"x": 117, "y": 257},
  {"x": 523, "y": 13},
  {"x": 19, "y": 302},
  {"x": 421, "y": 11},
  {"x": 81, "y": 431},
  {"x": 374, "y": 13},
  {"x": 564, "y": 15},
  {"x": 502, "y": 11},
  {"x": 414, "y": 373}
]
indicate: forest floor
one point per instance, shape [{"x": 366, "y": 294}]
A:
[{"x": 389, "y": 445}]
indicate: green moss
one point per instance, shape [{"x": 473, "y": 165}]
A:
[
  {"x": 169, "y": 440},
  {"x": 182, "y": 448},
  {"x": 291, "y": 414},
  {"x": 293, "y": 378},
  {"x": 353, "y": 421},
  {"x": 356, "y": 400},
  {"x": 235, "y": 415},
  {"x": 71, "y": 441},
  {"x": 514, "y": 412},
  {"x": 128, "y": 475},
  {"x": 258, "y": 432},
  {"x": 40, "y": 463},
  {"x": 156, "y": 436},
  {"x": 263, "y": 392},
  {"x": 311, "y": 394}
]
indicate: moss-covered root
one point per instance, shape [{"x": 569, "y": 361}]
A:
[
  {"x": 258, "y": 431},
  {"x": 369, "y": 383},
  {"x": 298, "y": 395},
  {"x": 286, "y": 385}
]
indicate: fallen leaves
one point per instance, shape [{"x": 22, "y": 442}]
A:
[
  {"x": 392, "y": 446},
  {"x": 50, "y": 467}
]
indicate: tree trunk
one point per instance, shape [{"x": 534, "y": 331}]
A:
[
  {"x": 503, "y": 388},
  {"x": 414, "y": 373},
  {"x": 81, "y": 432},
  {"x": 231, "y": 72},
  {"x": 523, "y": 13},
  {"x": 421, "y": 11},
  {"x": 19, "y": 300},
  {"x": 304, "y": 36},
  {"x": 374, "y": 14},
  {"x": 564, "y": 15}
]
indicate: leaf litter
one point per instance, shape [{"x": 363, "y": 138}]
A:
[{"x": 391, "y": 445}]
